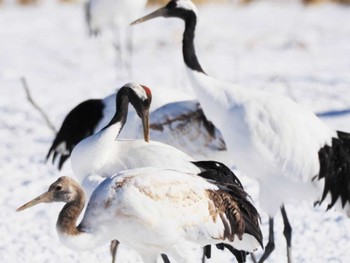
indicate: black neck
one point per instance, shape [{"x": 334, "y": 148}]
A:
[
  {"x": 122, "y": 103},
  {"x": 188, "y": 50}
]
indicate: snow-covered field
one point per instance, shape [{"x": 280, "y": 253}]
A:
[{"x": 302, "y": 52}]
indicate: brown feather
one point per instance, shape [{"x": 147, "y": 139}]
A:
[{"x": 229, "y": 212}]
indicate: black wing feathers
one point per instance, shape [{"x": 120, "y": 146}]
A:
[
  {"x": 78, "y": 124},
  {"x": 218, "y": 172},
  {"x": 335, "y": 169},
  {"x": 228, "y": 183}
]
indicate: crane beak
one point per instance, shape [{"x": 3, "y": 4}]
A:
[
  {"x": 162, "y": 12},
  {"x": 146, "y": 125},
  {"x": 46, "y": 197}
]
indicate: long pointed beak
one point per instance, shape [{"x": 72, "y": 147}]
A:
[
  {"x": 44, "y": 198},
  {"x": 146, "y": 125},
  {"x": 162, "y": 12}
]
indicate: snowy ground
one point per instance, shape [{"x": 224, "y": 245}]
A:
[{"x": 302, "y": 52}]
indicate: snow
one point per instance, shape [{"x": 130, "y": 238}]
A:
[{"x": 301, "y": 52}]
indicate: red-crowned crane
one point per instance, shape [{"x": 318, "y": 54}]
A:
[
  {"x": 287, "y": 148},
  {"x": 100, "y": 155},
  {"x": 155, "y": 211},
  {"x": 181, "y": 124}
]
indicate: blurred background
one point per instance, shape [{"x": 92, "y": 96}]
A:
[{"x": 150, "y": 2}]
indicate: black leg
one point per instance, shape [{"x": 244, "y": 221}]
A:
[
  {"x": 240, "y": 255},
  {"x": 113, "y": 249},
  {"x": 206, "y": 253},
  {"x": 287, "y": 232},
  {"x": 165, "y": 258},
  {"x": 271, "y": 244},
  {"x": 253, "y": 258}
]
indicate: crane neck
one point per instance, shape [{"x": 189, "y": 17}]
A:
[
  {"x": 188, "y": 50},
  {"x": 121, "y": 114},
  {"x": 67, "y": 219}
]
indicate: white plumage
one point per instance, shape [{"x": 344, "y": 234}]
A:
[
  {"x": 179, "y": 124},
  {"x": 152, "y": 211},
  {"x": 101, "y": 155},
  {"x": 292, "y": 153},
  {"x": 270, "y": 138},
  {"x": 166, "y": 200},
  {"x": 184, "y": 126},
  {"x": 90, "y": 158}
]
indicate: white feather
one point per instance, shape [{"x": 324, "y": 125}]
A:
[
  {"x": 153, "y": 211},
  {"x": 270, "y": 138},
  {"x": 188, "y": 136},
  {"x": 102, "y": 155}
]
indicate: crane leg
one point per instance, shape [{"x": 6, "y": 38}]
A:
[
  {"x": 287, "y": 232},
  {"x": 165, "y": 258},
  {"x": 239, "y": 254},
  {"x": 271, "y": 244},
  {"x": 113, "y": 249},
  {"x": 206, "y": 253},
  {"x": 253, "y": 258}
]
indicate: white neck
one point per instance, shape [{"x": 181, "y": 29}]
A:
[
  {"x": 90, "y": 154},
  {"x": 84, "y": 240}
]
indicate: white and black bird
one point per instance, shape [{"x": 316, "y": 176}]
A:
[
  {"x": 101, "y": 155},
  {"x": 114, "y": 16},
  {"x": 287, "y": 148},
  {"x": 89, "y": 167},
  {"x": 154, "y": 211},
  {"x": 182, "y": 125}
]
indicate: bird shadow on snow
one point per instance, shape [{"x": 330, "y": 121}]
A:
[{"x": 333, "y": 113}]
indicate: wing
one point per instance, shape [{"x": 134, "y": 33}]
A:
[
  {"x": 77, "y": 125},
  {"x": 184, "y": 126},
  {"x": 293, "y": 136},
  {"x": 228, "y": 183},
  {"x": 137, "y": 153},
  {"x": 139, "y": 190},
  {"x": 169, "y": 206},
  {"x": 278, "y": 131},
  {"x": 217, "y": 172},
  {"x": 263, "y": 128}
]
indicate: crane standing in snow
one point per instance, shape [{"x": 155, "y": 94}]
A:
[
  {"x": 289, "y": 150},
  {"x": 100, "y": 156},
  {"x": 114, "y": 16},
  {"x": 176, "y": 211}
]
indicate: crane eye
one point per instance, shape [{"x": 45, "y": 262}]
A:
[{"x": 58, "y": 188}]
